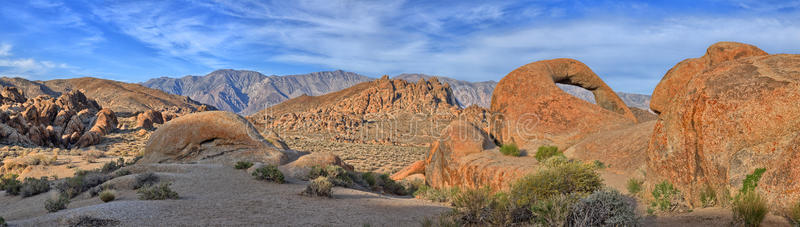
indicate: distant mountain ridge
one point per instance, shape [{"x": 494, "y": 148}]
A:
[{"x": 246, "y": 92}]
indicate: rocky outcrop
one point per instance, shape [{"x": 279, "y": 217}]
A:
[
  {"x": 302, "y": 166},
  {"x": 212, "y": 136},
  {"x": 724, "y": 115},
  {"x": 71, "y": 120},
  {"x": 146, "y": 119},
  {"x": 465, "y": 157},
  {"x": 532, "y": 111},
  {"x": 345, "y": 112}
]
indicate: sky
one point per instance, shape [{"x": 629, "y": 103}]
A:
[{"x": 629, "y": 44}]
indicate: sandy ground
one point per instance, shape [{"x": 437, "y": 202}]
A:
[{"x": 220, "y": 195}]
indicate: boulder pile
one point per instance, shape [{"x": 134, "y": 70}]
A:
[{"x": 69, "y": 121}]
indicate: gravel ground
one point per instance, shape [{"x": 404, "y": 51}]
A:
[{"x": 218, "y": 195}]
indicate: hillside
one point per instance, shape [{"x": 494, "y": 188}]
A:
[
  {"x": 246, "y": 92},
  {"x": 123, "y": 98}
]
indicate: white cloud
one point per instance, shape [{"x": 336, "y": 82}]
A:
[
  {"x": 25, "y": 67},
  {"x": 5, "y": 49}
]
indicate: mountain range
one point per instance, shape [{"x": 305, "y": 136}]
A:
[{"x": 246, "y": 92}]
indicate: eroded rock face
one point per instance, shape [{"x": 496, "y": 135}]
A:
[
  {"x": 624, "y": 150},
  {"x": 214, "y": 136},
  {"x": 462, "y": 157},
  {"x": 71, "y": 120},
  {"x": 738, "y": 112},
  {"x": 532, "y": 111}
]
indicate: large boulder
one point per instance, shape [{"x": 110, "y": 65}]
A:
[
  {"x": 212, "y": 136},
  {"x": 532, "y": 111},
  {"x": 465, "y": 157},
  {"x": 302, "y": 166},
  {"x": 624, "y": 150},
  {"x": 736, "y": 113},
  {"x": 146, "y": 119}
]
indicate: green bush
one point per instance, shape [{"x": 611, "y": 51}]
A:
[
  {"x": 32, "y": 186},
  {"x": 321, "y": 186},
  {"x": 3, "y": 222},
  {"x": 269, "y": 173},
  {"x": 369, "y": 177},
  {"x": 107, "y": 196},
  {"x": 10, "y": 184},
  {"x": 749, "y": 208},
  {"x": 157, "y": 192},
  {"x": 56, "y": 204},
  {"x": 471, "y": 204},
  {"x": 708, "y": 197},
  {"x": 111, "y": 166},
  {"x": 554, "y": 179},
  {"x": 794, "y": 213},
  {"x": 145, "y": 179},
  {"x": 634, "y": 186},
  {"x": 510, "y": 150},
  {"x": 553, "y": 211},
  {"x": 545, "y": 152},
  {"x": 437, "y": 194},
  {"x": 391, "y": 186},
  {"x": 663, "y": 193},
  {"x": 750, "y": 181},
  {"x": 243, "y": 165},
  {"x": 604, "y": 208}
]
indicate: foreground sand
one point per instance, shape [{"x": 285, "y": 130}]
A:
[{"x": 222, "y": 195}]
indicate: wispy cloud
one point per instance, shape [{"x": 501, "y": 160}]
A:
[{"x": 25, "y": 67}]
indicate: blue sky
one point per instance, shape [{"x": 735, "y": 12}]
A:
[{"x": 630, "y": 44}]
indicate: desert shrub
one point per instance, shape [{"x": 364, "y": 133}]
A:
[
  {"x": 122, "y": 172},
  {"x": 269, "y": 173},
  {"x": 10, "y": 184},
  {"x": 321, "y": 186},
  {"x": 112, "y": 165},
  {"x": 599, "y": 164},
  {"x": 107, "y": 196},
  {"x": 663, "y": 194},
  {"x": 553, "y": 211},
  {"x": 391, "y": 186},
  {"x": 81, "y": 182},
  {"x": 634, "y": 186},
  {"x": 157, "y": 192},
  {"x": 3, "y": 222},
  {"x": 243, "y": 165},
  {"x": 510, "y": 149},
  {"x": 369, "y": 177},
  {"x": 145, "y": 179},
  {"x": 708, "y": 197},
  {"x": 336, "y": 174},
  {"x": 55, "y": 204},
  {"x": 545, "y": 152},
  {"x": 604, "y": 208},
  {"x": 750, "y": 181},
  {"x": 749, "y": 208},
  {"x": 32, "y": 186},
  {"x": 794, "y": 213},
  {"x": 470, "y": 204},
  {"x": 437, "y": 194},
  {"x": 86, "y": 220},
  {"x": 554, "y": 179}
]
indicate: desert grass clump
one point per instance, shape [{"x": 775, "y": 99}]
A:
[
  {"x": 634, "y": 186},
  {"x": 81, "y": 182},
  {"x": 708, "y": 197},
  {"x": 32, "y": 186},
  {"x": 157, "y": 192},
  {"x": 749, "y": 208},
  {"x": 369, "y": 178},
  {"x": 604, "y": 208},
  {"x": 545, "y": 152},
  {"x": 510, "y": 149},
  {"x": 391, "y": 186},
  {"x": 436, "y": 194},
  {"x": 60, "y": 202},
  {"x": 555, "y": 178},
  {"x": 269, "y": 173},
  {"x": 470, "y": 204},
  {"x": 243, "y": 165},
  {"x": 145, "y": 179},
  {"x": 663, "y": 194},
  {"x": 320, "y": 186},
  {"x": 113, "y": 165},
  {"x": 107, "y": 196},
  {"x": 3, "y": 222},
  {"x": 750, "y": 181}
]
